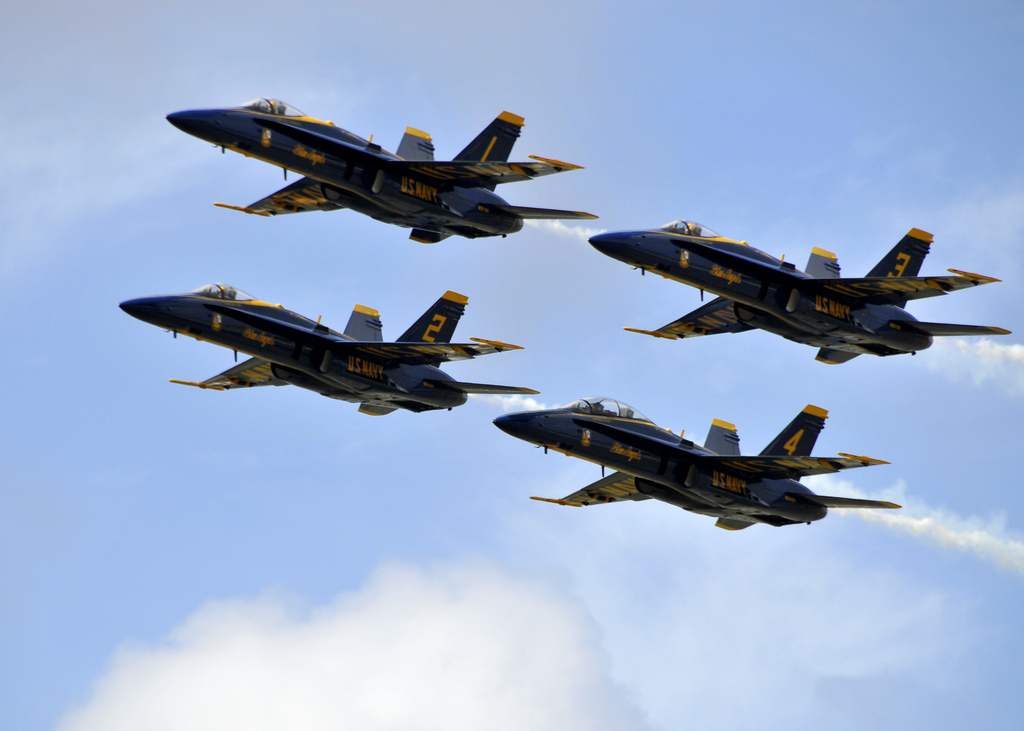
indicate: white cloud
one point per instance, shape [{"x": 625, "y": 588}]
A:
[
  {"x": 510, "y": 403},
  {"x": 574, "y": 232},
  {"x": 980, "y": 361},
  {"x": 457, "y": 647},
  {"x": 988, "y": 539}
]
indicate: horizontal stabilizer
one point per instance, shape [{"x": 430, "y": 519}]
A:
[
  {"x": 842, "y": 502},
  {"x": 536, "y": 213},
  {"x": 476, "y": 387},
  {"x": 943, "y": 329}
]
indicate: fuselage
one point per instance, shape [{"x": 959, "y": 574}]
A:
[
  {"x": 360, "y": 179},
  {"x": 672, "y": 474},
  {"x": 296, "y": 358},
  {"x": 775, "y": 304}
]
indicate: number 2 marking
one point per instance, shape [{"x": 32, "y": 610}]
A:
[{"x": 434, "y": 328}]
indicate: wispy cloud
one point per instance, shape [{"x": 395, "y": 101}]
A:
[
  {"x": 980, "y": 361},
  {"x": 510, "y": 403},
  {"x": 573, "y": 232},
  {"x": 988, "y": 539}
]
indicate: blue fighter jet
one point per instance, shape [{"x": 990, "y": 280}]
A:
[
  {"x": 408, "y": 188},
  {"x": 354, "y": 365},
  {"x": 714, "y": 480},
  {"x": 843, "y": 317}
]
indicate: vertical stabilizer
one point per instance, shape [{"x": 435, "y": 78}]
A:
[
  {"x": 437, "y": 325},
  {"x": 906, "y": 257},
  {"x": 822, "y": 264},
  {"x": 494, "y": 144},
  {"x": 723, "y": 439},
  {"x": 364, "y": 325},
  {"x": 797, "y": 439},
  {"x": 416, "y": 145}
]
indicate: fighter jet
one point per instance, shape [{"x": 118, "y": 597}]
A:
[
  {"x": 843, "y": 317},
  {"x": 711, "y": 480},
  {"x": 355, "y": 366},
  {"x": 408, "y": 188}
]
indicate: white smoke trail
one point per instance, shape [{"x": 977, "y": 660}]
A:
[
  {"x": 987, "y": 539},
  {"x": 559, "y": 228},
  {"x": 980, "y": 360},
  {"x": 510, "y": 403}
]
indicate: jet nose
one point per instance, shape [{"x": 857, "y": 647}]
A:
[
  {"x": 613, "y": 244},
  {"x": 519, "y": 425},
  {"x": 148, "y": 309},
  {"x": 201, "y": 123}
]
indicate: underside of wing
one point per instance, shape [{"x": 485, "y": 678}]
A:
[
  {"x": 842, "y": 502},
  {"x": 944, "y": 329},
  {"x": 253, "y": 372},
  {"x": 793, "y": 468},
  {"x": 463, "y": 387},
  {"x": 894, "y": 290},
  {"x": 470, "y": 174},
  {"x": 616, "y": 487},
  {"x": 299, "y": 197},
  {"x": 424, "y": 353},
  {"x": 538, "y": 213},
  {"x": 716, "y": 317}
]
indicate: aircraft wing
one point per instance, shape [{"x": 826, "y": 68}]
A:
[
  {"x": 716, "y": 317},
  {"x": 475, "y": 174},
  {"x": 894, "y": 290},
  {"x": 301, "y": 196},
  {"x": 792, "y": 468},
  {"x": 463, "y": 387},
  {"x": 614, "y": 488},
  {"x": 423, "y": 353},
  {"x": 252, "y": 372}
]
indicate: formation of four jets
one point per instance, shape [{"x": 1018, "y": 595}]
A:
[{"x": 843, "y": 317}]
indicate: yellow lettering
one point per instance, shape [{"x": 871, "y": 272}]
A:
[
  {"x": 791, "y": 445},
  {"x": 902, "y": 259},
  {"x": 434, "y": 328}
]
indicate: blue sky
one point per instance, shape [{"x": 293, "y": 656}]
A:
[{"x": 175, "y": 558}]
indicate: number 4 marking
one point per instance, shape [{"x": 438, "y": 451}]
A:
[{"x": 791, "y": 445}]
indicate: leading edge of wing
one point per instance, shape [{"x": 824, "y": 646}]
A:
[
  {"x": 889, "y": 290},
  {"x": 616, "y": 487},
  {"x": 716, "y": 317}
]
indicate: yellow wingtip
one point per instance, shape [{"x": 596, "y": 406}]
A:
[{"x": 556, "y": 502}]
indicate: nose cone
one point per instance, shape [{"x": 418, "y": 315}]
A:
[
  {"x": 520, "y": 426},
  {"x": 615, "y": 244},
  {"x": 206, "y": 124},
  {"x": 154, "y": 310}
]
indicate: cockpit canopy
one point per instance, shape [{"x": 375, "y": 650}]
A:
[
  {"x": 690, "y": 228},
  {"x": 223, "y": 292},
  {"x": 606, "y": 407},
  {"x": 273, "y": 106}
]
